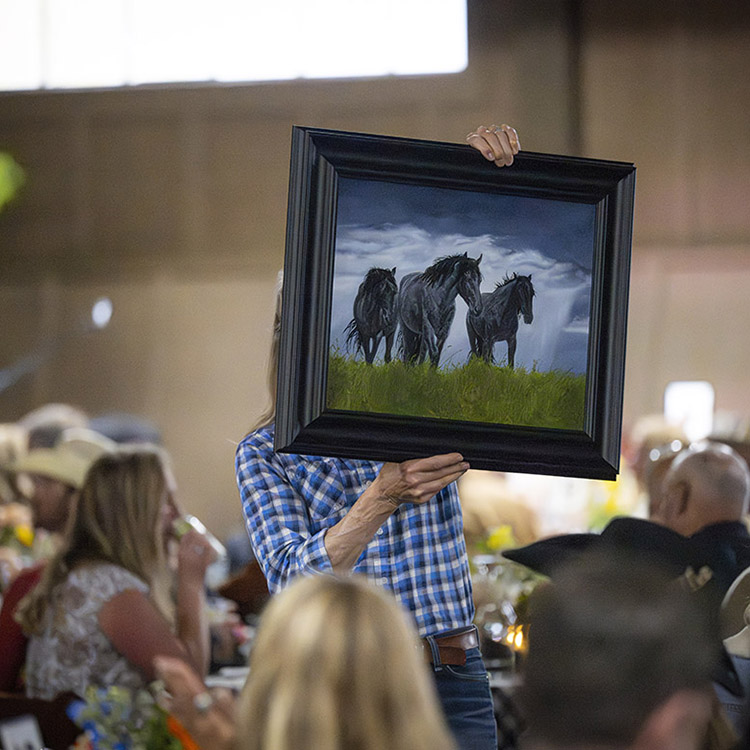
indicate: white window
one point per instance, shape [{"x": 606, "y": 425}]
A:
[
  {"x": 56, "y": 44},
  {"x": 690, "y": 405}
]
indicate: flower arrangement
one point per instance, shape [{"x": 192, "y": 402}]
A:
[
  {"x": 501, "y": 591},
  {"x": 497, "y": 539},
  {"x": 16, "y": 541},
  {"x": 115, "y": 718}
]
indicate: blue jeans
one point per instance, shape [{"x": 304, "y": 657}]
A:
[{"x": 464, "y": 693}]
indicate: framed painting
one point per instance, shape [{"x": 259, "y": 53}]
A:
[{"x": 434, "y": 302}]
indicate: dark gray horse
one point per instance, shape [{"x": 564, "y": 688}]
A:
[
  {"x": 427, "y": 304},
  {"x": 498, "y": 320},
  {"x": 375, "y": 315}
]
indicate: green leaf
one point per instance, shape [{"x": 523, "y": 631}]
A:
[{"x": 12, "y": 177}]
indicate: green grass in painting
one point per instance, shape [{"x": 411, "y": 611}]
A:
[{"x": 475, "y": 392}]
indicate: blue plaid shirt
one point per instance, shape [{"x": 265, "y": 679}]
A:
[{"x": 419, "y": 553}]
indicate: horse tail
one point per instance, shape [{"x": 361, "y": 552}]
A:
[{"x": 353, "y": 338}]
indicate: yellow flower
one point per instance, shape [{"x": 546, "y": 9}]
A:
[
  {"x": 501, "y": 538},
  {"x": 25, "y": 534}
]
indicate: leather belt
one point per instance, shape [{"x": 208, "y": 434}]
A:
[{"x": 452, "y": 647}]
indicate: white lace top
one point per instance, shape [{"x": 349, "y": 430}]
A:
[{"x": 72, "y": 652}]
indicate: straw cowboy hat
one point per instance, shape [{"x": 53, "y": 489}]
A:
[
  {"x": 86, "y": 442},
  {"x": 69, "y": 460}
]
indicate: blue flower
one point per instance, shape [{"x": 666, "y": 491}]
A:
[{"x": 74, "y": 710}]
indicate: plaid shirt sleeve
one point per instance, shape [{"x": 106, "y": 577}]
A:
[
  {"x": 418, "y": 553},
  {"x": 276, "y": 517}
]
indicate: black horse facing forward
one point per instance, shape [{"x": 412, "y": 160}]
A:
[
  {"x": 498, "y": 320},
  {"x": 375, "y": 316},
  {"x": 427, "y": 304}
]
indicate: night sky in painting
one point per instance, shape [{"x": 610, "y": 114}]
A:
[{"x": 387, "y": 224}]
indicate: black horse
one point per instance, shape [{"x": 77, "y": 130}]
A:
[
  {"x": 375, "y": 316},
  {"x": 427, "y": 304},
  {"x": 498, "y": 320}
]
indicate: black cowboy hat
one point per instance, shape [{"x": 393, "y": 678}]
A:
[
  {"x": 650, "y": 541},
  {"x": 653, "y": 543}
]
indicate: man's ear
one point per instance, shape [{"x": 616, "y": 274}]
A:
[
  {"x": 680, "y": 723},
  {"x": 676, "y": 499},
  {"x": 665, "y": 511},
  {"x": 682, "y": 497}
]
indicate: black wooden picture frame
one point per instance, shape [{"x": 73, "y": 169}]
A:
[{"x": 304, "y": 422}]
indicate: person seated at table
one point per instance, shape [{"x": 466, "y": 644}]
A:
[
  {"x": 51, "y": 479},
  {"x": 102, "y": 609},
  {"x": 336, "y": 664},
  {"x": 706, "y": 492},
  {"x": 620, "y": 657}
]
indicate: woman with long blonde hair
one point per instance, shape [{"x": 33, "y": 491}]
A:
[
  {"x": 336, "y": 665},
  {"x": 102, "y": 609}
]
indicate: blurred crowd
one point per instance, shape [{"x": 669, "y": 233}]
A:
[
  {"x": 76, "y": 489},
  {"x": 612, "y": 615}
]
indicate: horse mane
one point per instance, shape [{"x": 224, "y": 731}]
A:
[
  {"x": 376, "y": 276},
  {"x": 443, "y": 267},
  {"x": 507, "y": 279}
]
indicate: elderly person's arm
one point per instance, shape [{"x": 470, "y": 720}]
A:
[
  {"x": 283, "y": 539},
  {"x": 416, "y": 481}
]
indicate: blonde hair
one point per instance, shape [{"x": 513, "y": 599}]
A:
[
  {"x": 272, "y": 374},
  {"x": 336, "y": 665},
  {"x": 117, "y": 519}
]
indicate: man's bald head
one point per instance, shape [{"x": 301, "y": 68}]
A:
[{"x": 706, "y": 483}]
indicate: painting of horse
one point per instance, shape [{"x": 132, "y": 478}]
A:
[
  {"x": 375, "y": 314},
  {"x": 427, "y": 305},
  {"x": 498, "y": 318}
]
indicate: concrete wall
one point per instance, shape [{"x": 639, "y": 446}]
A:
[{"x": 172, "y": 201}]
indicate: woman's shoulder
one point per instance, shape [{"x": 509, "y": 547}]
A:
[
  {"x": 257, "y": 441},
  {"x": 256, "y": 452},
  {"x": 105, "y": 578}
]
